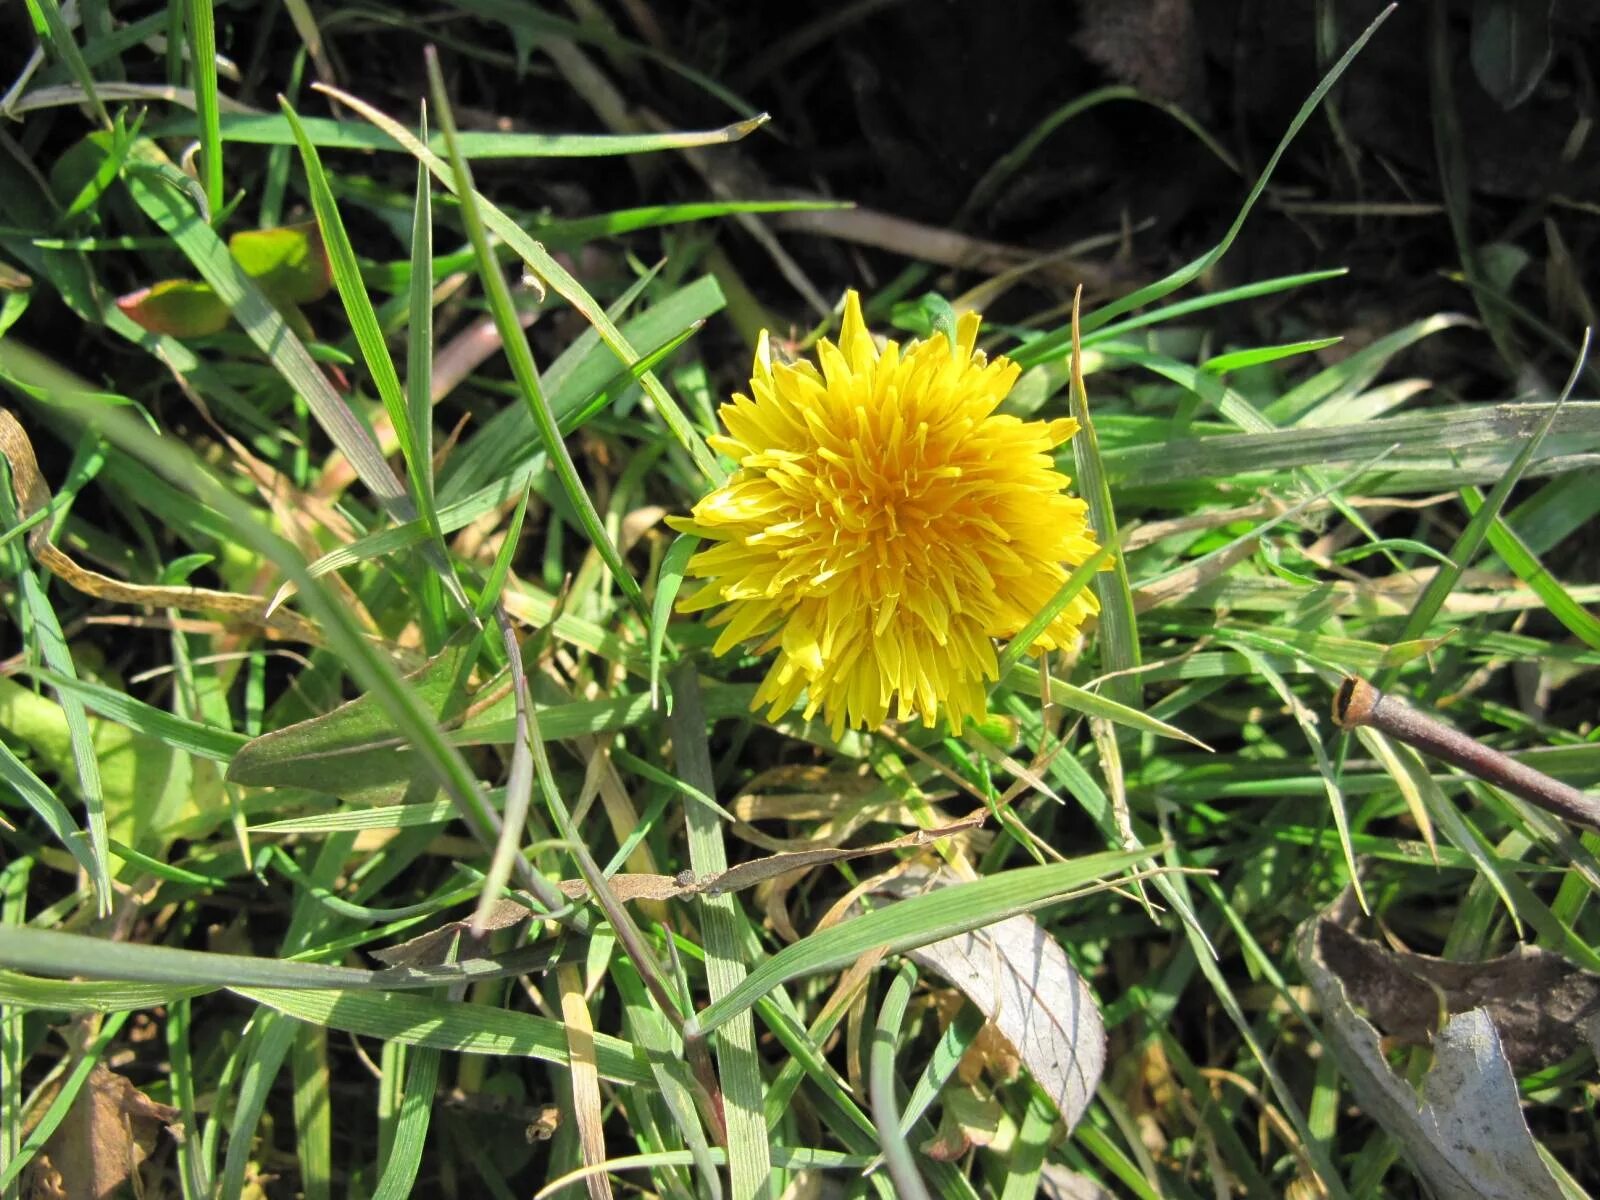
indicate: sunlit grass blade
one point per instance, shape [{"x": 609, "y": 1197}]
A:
[
  {"x": 50, "y": 810},
  {"x": 1471, "y": 540},
  {"x": 1118, "y": 634},
  {"x": 411, "y": 1128},
  {"x": 201, "y": 30},
  {"x": 916, "y": 922},
  {"x": 313, "y": 1113},
  {"x": 1082, "y": 575},
  {"x": 1525, "y": 564},
  {"x": 418, "y": 405},
  {"x": 560, "y": 281},
  {"x": 365, "y": 663},
  {"x": 442, "y": 1025},
  {"x": 520, "y": 356},
  {"x": 270, "y": 129},
  {"x": 749, "y": 1159},
  {"x": 51, "y": 27},
  {"x": 170, "y": 210},
  {"x": 669, "y": 579},
  {"x": 57, "y": 653},
  {"x": 374, "y": 351}
]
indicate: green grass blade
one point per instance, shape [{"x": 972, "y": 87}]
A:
[
  {"x": 169, "y": 209},
  {"x": 14, "y": 772},
  {"x": 1082, "y": 575},
  {"x": 366, "y": 664},
  {"x": 411, "y": 1128},
  {"x": 1055, "y": 345},
  {"x": 202, "y": 34},
  {"x": 270, "y": 129},
  {"x": 908, "y": 924},
  {"x": 1525, "y": 565},
  {"x": 51, "y": 27},
  {"x": 419, "y": 358},
  {"x": 897, "y": 1154},
  {"x": 313, "y": 1115},
  {"x": 560, "y": 281},
  {"x": 374, "y": 351},
  {"x": 669, "y": 579},
  {"x": 1466, "y": 546},
  {"x": 749, "y": 1159},
  {"x": 57, "y": 655},
  {"x": 520, "y": 355},
  {"x": 1118, "y": 634},
  {"x": 269, "y": 1038},
  {"x": 443, "y": 1025}
]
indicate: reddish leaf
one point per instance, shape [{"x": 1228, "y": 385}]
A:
[{"x": 180, "y": 307}]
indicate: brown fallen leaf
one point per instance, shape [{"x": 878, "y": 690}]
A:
[
  {"x": 1543, "y": 1007},
  {"x": 1466, "y": 1135},
  {"x": 110, "y": 1129}
]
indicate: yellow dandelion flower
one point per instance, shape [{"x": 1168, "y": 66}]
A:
[{"x": 885, "y": 525}]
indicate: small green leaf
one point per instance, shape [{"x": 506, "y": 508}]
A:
[
  {"x": 355, "y": 749},
  {"x": 289, "y": 264},
  {"x": 184, "y": 308},
  {"x": 1510, "y": 47}
]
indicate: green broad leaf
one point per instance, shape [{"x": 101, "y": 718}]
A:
[
  {"x": 442, "y": 1025},
  {"x": 184, "y": 308},
  {"x": 289, "y": 264},
  {"x": 354, "y": 751},
  {"x": 1511, "y": 47},
  {"x": 907, "y": 924}
]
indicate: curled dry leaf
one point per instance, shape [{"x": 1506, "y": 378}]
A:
[
  {"x": 1021, "y": 979},
  {"x": 110, "y": 1129},
  {"x": 1465, "y": 1135},
  {"x": 1543, "y": 1007}
]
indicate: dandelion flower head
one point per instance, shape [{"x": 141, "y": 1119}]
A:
[{"x": 885, "y": 525}]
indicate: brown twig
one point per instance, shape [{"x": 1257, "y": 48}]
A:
[{"x": 1358, "y": 703}]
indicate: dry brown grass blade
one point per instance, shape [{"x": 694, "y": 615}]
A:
[
  {"x": 33, "y": 496},
  {"x": 584, "y": 1076}
]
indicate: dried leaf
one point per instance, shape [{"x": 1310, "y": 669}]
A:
[
  {"x": 1543, "y": 1007},
  {"x": 1020, "y": 978},
  {"x": 1062, "y": 1183},
  {"x": 1466, "y": 1137},
  {"x": 110, "y": 1129}
]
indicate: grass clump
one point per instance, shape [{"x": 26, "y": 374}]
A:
[{"x": 371, "y": 813}]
